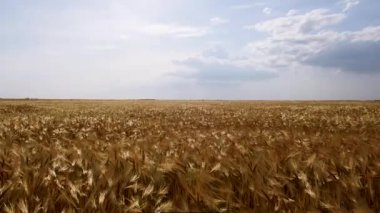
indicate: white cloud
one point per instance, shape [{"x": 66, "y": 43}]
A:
[
  {"x": 295, "y": 38},
  {"x": 267, "y": 11},
  {"x": 292, "y": 39},
  {"x": 284, "y": 53},
  {"x": 349, "y": 4},
  {"x": 219, "y": 21},
  {"x": 292, "y": 12},
  {"x": 174, "y": 30},
  {"x": 367, "y": 34},
  {"x": 290, "y": 26}
]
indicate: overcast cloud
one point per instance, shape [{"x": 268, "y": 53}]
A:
[{"x": 201, "y": 49}]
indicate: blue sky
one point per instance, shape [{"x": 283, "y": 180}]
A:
[{"x": 199, "y": 49}]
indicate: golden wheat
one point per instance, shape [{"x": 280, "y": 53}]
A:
[{"x": 162, "y": 156}]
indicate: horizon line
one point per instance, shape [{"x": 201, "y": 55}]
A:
[{"x": 190, "y": 99}]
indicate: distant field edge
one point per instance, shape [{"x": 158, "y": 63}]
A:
[{"x": 197, "y": 100}]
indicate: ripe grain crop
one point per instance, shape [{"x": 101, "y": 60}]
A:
[{"x": 165, "y": 156}]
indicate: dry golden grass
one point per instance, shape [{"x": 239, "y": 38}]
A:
[{"x": 162, "y": 156}]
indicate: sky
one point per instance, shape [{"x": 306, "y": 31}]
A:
[{"x": 198, "y": 49}]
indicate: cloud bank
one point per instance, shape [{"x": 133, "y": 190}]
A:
[{"x": 190, "y": 49}]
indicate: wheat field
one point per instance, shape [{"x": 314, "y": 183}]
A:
[{"x": 181, "y": 156}]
